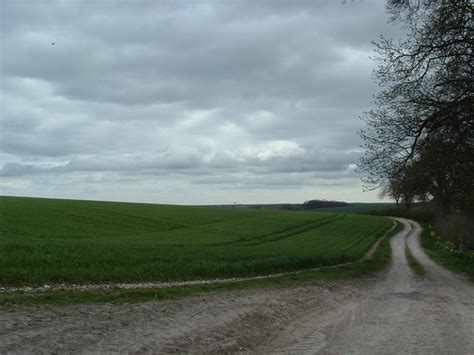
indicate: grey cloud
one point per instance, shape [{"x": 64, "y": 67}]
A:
[
  {"x": 173, "y": 159},
  {"x": 16, "y": 169},
  {"x": 177, "y": 57},
  {"x": 254, "y": 181},
  {"x": 263, "y": 160},
  {"x": 276, "y": 181},
  {"x": 256, "y": 93}
]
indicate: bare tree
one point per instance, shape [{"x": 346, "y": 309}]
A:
[{"x": 426, "y": 97}]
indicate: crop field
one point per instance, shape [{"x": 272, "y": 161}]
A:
[
  {"x": 44, "y": 241},
  {"x": 358, "y": 207}
]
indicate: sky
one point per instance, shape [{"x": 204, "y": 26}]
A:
[{"x": 186, "y": 102}]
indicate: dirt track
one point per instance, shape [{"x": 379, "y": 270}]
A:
[{"x": 394, "y": 313}]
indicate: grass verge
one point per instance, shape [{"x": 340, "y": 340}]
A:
[
  {"x": 368, "y": 267},
  {"x": 414, "y": 264},
  {"x": 440, "y": 251}
]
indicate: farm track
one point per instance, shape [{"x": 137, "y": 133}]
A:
[
  {"x": 395, "y": 312},
  {"x": 399, "y": 314}
]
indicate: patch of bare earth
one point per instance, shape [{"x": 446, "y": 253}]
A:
[{"x": 228, "y": 321}]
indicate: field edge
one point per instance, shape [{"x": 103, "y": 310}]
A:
[
  {"x": 455, "y": 260},
  {"x": 366, "y": 267}
]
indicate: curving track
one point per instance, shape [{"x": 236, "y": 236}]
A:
[{"x": 399, "y": 314}]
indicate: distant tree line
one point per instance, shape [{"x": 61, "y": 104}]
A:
[
  {"x": 420, "y": 137},
  {"x": 307, "y": 205},
  {"x": 314, "y": 204}
]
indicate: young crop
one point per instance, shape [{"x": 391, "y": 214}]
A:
[{"x": 58, "y": 241}]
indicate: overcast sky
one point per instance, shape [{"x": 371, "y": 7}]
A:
[{"x": 186, "y": 102}]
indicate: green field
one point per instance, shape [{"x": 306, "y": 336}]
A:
[
  {"x": 359, "y": 207},
  {"x": 45, "y": 241}
]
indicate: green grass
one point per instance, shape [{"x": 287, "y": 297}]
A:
[
  {"x": 358, "y": 208},
  {"x": 379, "y": 261},
  {"x": 353, "y": 207},
  {"x": 45, "y": 241},
  {"x": 414, "y": 264},
  {"x": 453, "y": 259},
  {"x": 419, "y": 214}
]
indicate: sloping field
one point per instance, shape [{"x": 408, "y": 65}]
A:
[
  {"x": 358, "y": 207},
  {"x": 45, "y": 241}
]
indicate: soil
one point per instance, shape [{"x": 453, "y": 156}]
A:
[{"x": 395, "y": 312}]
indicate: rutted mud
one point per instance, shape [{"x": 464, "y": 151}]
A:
[
  {"x": 228, "y": 321},
  {"x": 393, "y": 313}
]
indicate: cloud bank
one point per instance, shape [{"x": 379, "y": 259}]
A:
[{"x": 186, "y": 102}]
